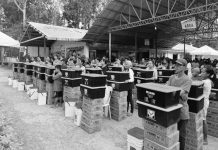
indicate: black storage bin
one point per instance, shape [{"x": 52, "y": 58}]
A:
[
  {"x": 196, "y": 89},
  {"x": 15, "y": 65},
  {"x": 94, "y": 70},
  {"x": 141, "y": 66},
  {"x": 138, "y": 80},
  {"x": 119, "y": 86},
  {"x": 41, "y": 76},
  {"x": 94, "y": 80},
  {"x": 29, "y": 72},
  {"x": 41, "y": 69},
  {"x": 162, "y": 79},
  {"x": 71, "y": 73},
  {"x": 71, "y": 82},
  {"x": 115, "y": 68},
  {"x": 28, "y": 66},
  {"x": 35, "y": 68},
  {"x": 34, "y": 73},
  {"x": 157, "y": 94},
  {"x": 49, "y": 70},
  {"x": 117, "y": 76},
  {"x": 142, "y": 73},
  {"x": 165, "y": 72},
  {"x": 21, "y": 65},
  {"x": 49, "y": 78},
  {"x": 21, "y": 70},
  {"x": 15, "y": 70},
  {"x": 196, "y": 104},
  {"x": 216, "y": 84},
  {"x": 92, "y": 92},
  {"x": 158, "y": 115}
]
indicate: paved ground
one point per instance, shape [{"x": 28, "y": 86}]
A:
[{"x": 46, "y": 128}]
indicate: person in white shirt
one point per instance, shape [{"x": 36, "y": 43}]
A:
[
  {"x": 151, "y": 67},
  {"x": 127, "y": 66},
  {"x": 207, "y": 75}
]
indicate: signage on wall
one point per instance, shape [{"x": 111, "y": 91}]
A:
[{"x": 189, "y": 23}]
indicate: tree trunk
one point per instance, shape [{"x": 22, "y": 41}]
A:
[{"x": 24, "y": 15}]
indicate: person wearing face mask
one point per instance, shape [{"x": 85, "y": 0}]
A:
[
  {"x": 180, "y": 79},
  {"x": 151, "y": 67}
]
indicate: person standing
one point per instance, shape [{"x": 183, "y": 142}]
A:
[
  {"x": 128, "y": 65},
  {"x": 208, "y": 75},
  {"x": 58, "y": 88},
  {"x": 180, "y": 79},
  {"x": 151, "y": 67}
]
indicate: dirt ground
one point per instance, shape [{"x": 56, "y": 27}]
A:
[{"x": 46, "y": 128}]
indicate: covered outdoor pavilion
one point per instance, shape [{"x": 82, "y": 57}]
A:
[
  {"x": 130, "y": 22},
  {"x": 44, "y": 35}
]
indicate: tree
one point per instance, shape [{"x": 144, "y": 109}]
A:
[
  {"x": 76, "y": 11},
  {"x": 21, "y": 5}
]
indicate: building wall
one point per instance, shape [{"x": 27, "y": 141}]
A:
[
  {"x": 33, "y": 51},
  {"x": 63, "y": 45}
]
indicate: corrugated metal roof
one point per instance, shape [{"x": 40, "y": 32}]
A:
[
  {"x": 36, "y": 32},
  {"x": 7, "y": 41},
  {"x": 52, "y": 32}
]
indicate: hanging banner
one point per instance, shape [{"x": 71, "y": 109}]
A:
[{"x": 189, "y": 23}]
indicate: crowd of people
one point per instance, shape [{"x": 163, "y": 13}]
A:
[{"x": 186, "y": 71}]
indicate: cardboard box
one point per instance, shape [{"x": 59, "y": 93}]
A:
[
  {"x": 164, "y": 140},
  {"x": 158, "y": 128},
  {"x": 90, "y": 129},
  {"x": 212, "y": 125},
  {"x": 212, "y": 111},
  {"x": 190, "y": 147},
  {"x": 91, "y": 108},
  {"x": 93, "y": 102},
  {"x": 93, "y": 115},
  {"x": 212, "y": 132},
  {"x": 91, "y": 122},
  {"x": 118, "y": 111},
  {"x": 118, "y": 117},
  {"x": 214, "y": 104},
  {"x": 195, "y": 134},
  {"x": 118, "y": 105},
  {"x": 151, "y": 145},
  {"x": 119, "y": 94},
  {"x": 195, "y": 116},
  {"x": 119, "y": 99}
]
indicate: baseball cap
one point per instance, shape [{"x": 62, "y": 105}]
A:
[{"x": 182, "y": 62}]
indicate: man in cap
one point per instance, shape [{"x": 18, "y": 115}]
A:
[
  {"x": 127, "y": 66},
  {"x": 180, "y": 79}
]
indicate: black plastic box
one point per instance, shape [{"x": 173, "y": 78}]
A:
[
  {"x": 41, "y": 76},
  {"x": 119, "y": 86},
  {"x": 165, "y": 72},
  {"x": 94, "y": 80},
  {"x": 49, "y": 78},
  {"x": 21, "y": 70},
  {"x": 158, "y": 115},
  {"x": 49, "y": 70},
  {"x": 41, "y": 69},
  {"x": 35, "y": 68},
  {"x": 28, "y": 66},
  {"x": 115, "y": 68},
  {"x": 162, "y": 79},
  {"x": 196, "y": 104},
  {"x": 21, "y": 65},
  {"x": 216, "y": 84},
  {"x": 142, "y": 73},
  {"x": 71, "y": 73},
  {"x": 139, "y": 80},
  {"x": 94, "y": 70},
  {"x": 15, "y": 70},
  {"x": 196, "y": 89},
  {"x": 157, "y": 94},
  {"x": 117, "y": 76},
  {"x": 15, "y": 65},
  {"x": 141, "y": 66},
  {"x": 28, "y": 72},
  {"x": 75, "y": 82},
  {"x": 92, "y": 92}
]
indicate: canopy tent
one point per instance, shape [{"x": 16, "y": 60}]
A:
[
  {"x": 7, "y": 41},
  {"x": 206, "y": 51},
  {"x": 180, "y": 48}
]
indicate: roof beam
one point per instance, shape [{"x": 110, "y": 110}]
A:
[{"x": 165, "y": 17}]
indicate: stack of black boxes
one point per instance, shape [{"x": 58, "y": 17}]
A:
[
  {"x": 93, "y": 91},
  {"x": 49, "y": 84},
  {"x": 118, "y": 102},
  {"x": 194, "y": 134},
  {"x": 159, "y": 107},
  {"x": 164, "y": 75}
]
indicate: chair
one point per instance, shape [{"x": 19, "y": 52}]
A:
[{"x": 107, "y": 98}]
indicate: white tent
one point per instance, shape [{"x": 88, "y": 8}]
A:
[
  {"x": 7, "y": 41},
  {"x": 180, "y": 47},
  {"x": 206, "y": 51}
]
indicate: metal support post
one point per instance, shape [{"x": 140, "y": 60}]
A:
[{"x": 110, "y": 46}]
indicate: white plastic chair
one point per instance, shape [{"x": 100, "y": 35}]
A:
[{"x": 107, "y": 98}]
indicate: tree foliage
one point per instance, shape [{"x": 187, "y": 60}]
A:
[{"x": 76, "y": 11}]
